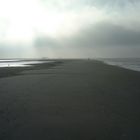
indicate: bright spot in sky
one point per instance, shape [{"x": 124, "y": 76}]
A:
[{"x": 24, "y": 19}]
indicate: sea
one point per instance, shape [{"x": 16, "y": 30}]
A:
[
  {"x": 21, "y": 62},
  {"x": 128, "y": 63}
]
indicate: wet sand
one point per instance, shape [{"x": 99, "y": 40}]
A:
[{"x": 73, "y": 100}]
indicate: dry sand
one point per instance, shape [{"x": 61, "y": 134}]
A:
[{"x": 75, "y": 100}]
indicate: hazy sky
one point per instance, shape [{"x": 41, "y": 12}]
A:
[{"x": 69, "y": 28}]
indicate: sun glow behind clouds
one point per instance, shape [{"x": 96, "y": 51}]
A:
[
  {"x": 27, "y": 18},
  {"x": 53, "y": 28}
]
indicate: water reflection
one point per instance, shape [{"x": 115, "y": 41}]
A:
[{"x": 20, "y": 63}]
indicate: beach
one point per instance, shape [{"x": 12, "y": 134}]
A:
[{"x": 70, "y": 100}]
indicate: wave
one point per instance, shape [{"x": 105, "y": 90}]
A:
[{"x": 128, "y": 63}]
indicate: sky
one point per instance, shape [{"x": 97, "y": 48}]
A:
[{"x": 69, "y": 28}]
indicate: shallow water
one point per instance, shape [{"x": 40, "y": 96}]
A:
[
  {"x": 129, "y": 63},
  {"x": 20, "y": 63}
]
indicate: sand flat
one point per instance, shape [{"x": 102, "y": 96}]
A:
[{"x": 77, "y": 100}]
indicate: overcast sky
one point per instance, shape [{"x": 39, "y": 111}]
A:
[{"x": 69, "y": 28}]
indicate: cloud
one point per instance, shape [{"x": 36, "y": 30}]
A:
[
  {"x": 102, "y": 40},
  {"x": 111, "y": 4},
  {"x": 69, "y": 28},
  {"x": 106, "y": 34}
]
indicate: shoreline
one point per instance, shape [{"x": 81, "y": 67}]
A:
[
  {"x": 15, "y": 71},
  {"x": 126, "y": 63}
]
